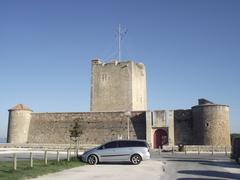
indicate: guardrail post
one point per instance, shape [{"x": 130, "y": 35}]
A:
[
  {"x": 45, "y": 157},
  {"x": 225, "y": 150},
  {"x": 68, "y": 155},
  {"x": 31, "y": 159},
  {"x": 212, "y": 150},
  {"x": 198, "y": 150},
  {"x": 14, "y": 161},
  {"x": 172, "y": 150},
  {"x": 58, "y": 159}
]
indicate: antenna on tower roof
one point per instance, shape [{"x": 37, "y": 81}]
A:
[{"x": 120, "y": 34}]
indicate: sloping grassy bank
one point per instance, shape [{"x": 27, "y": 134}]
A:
[{"x": 24, "y": 171}]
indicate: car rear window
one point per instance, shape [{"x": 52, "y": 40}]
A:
[{"x": 139, "y": 144}]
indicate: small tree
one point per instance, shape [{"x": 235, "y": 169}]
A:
[{"x": 75, "y": 134}]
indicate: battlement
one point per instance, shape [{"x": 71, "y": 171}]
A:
[{"x": 115, "y": 62}]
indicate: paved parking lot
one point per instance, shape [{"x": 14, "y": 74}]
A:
[
  {"x": 165, "y": 166},
  {"x": 151, "y": 169}
]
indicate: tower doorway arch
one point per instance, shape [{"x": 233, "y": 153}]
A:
[{"x": 160, "y": 138}]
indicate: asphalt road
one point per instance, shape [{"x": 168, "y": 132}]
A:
[{"x": 194, "y": 166}]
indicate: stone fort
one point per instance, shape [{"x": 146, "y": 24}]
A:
[{"x": 119, "y": 111}]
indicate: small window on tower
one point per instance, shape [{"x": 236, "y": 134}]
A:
[
  {"x": 207, "y": 124},
  {"x": 104, "y": 77}
]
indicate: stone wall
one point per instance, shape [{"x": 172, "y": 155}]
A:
[
  {"x": 171, "y": 139},
  {"x": 159, "y": 119},
  {"x": 183, "y": 126},
  {"x": 139, "y": 90},
  {"x": 97, "y": 127}
]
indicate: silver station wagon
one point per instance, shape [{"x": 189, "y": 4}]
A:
[{"x": 133, "y": 151}]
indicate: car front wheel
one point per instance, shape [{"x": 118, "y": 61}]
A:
[
  {"x": 92, "y": 159},
  {"x": 136, "y": 159}
]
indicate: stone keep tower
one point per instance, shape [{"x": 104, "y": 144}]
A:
[
  {"x": 118, "y": 86},
  {"x": 18, "y": 125}
]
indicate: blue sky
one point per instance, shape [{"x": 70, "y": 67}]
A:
[{"x": 191, "y": 50}]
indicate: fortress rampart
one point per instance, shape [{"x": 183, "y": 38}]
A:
[
  {"x": 204, "y": 124},
  {"x": 183, "y": 129},
  {"x": 96, "y": 127}
]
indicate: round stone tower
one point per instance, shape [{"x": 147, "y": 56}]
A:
[
  {"x": 18, "y": 124},
  {"x": 211, "y": 124}
]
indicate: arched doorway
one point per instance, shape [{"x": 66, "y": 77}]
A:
[{"x": 160, "y": 138}]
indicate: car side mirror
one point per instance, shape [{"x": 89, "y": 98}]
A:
[{"x": 100, "y": 148}]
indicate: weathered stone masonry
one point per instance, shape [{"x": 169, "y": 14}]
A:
[
  {"x": 204, "y": 124},
  {"x": 183, "y": 126},
  {"x": 118, "y": 86},
  {"x": 97, "y": 127}
]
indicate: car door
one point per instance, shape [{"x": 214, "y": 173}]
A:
[
  {"x": 124, "y": 150},
  {"x": 107, "y": 152}
]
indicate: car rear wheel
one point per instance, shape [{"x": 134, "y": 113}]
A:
[
  {"x": 136, "y": 159},
  {"x": 92, "y": 159}
]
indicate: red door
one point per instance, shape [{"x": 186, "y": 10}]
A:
[{"x": 160, "y": 138}]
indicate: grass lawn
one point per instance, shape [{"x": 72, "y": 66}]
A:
[{"x": 24, "y": 170}]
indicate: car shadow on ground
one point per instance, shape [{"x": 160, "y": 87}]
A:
[
  {"x": 198, "y": 179},
  {"x": 214, "y": 174},
  {"x": 110, "y": 163},
  {"x": 115, "y": 163}
]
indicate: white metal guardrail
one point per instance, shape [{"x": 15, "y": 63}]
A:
[{"x": 196, "y": 149}]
